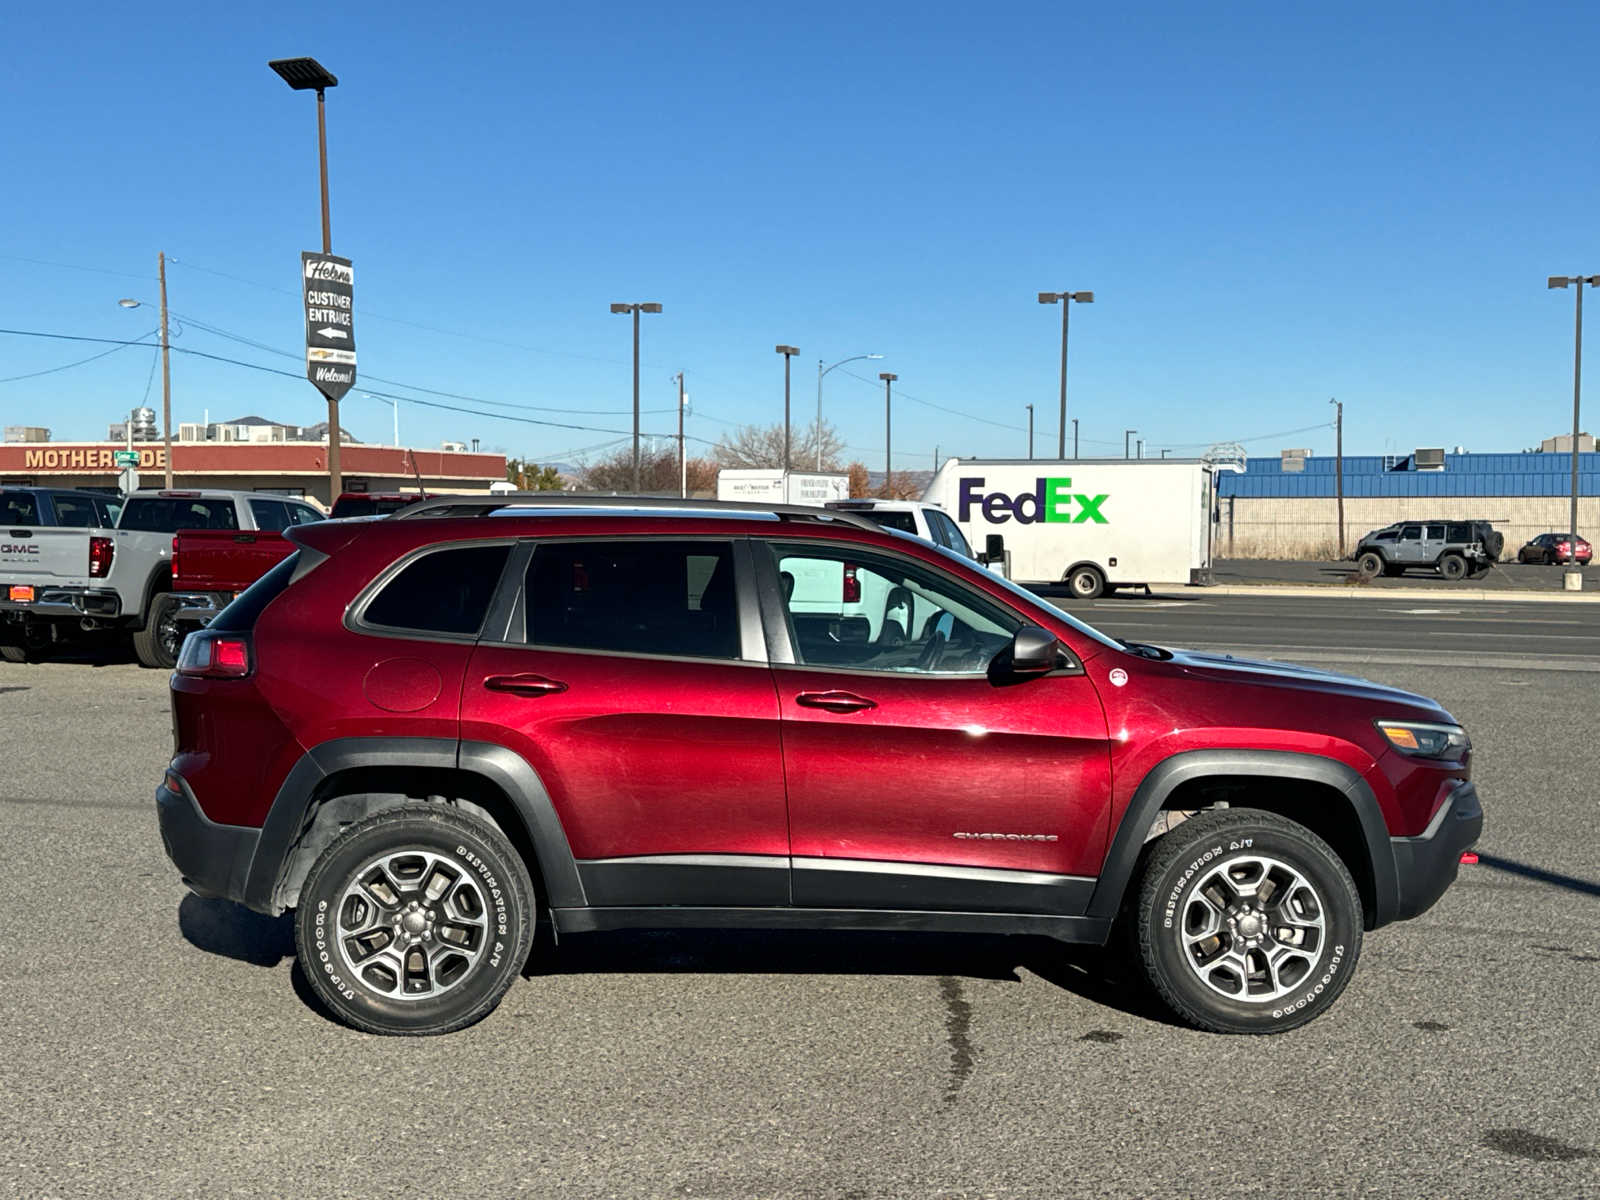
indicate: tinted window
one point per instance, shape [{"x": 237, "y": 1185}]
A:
[
  {"x": 18, "y": 508},
  {"x": 1388, "y": 535},
  {"x": 366, "y": 506},
  {"x": 443, "y": 591},
  {"x": 903, "y": 521},
  {"x": 1412, "y": 533},
  {"x": 1460, "y": 532},
  {"x": 1436, "y": 533},
  {"x": 302, "y": 514},
  {"x": 862, "y": 612},
  {"x": 270, "y": 515},
  {"x": 77, "y": 511},
  {"x": 636, "y": 597},
  {"x": 168, "y": 514}
]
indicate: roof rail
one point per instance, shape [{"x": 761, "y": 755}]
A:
[{"x": 483, "y": 506}]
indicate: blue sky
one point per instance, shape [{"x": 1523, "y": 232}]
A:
[{"x": 1274, "y": 205}]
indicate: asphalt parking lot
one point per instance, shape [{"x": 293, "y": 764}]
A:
[{"x": 162, "y": 1045}]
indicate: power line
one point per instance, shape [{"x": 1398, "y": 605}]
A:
[{"x": 78, "y": 363}]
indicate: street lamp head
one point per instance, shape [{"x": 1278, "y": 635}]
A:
[
  {"x": 887, "y": 376},
  {"x": 127, "y": 303},
  {"x": 304, "y": 74},
  {"x": 1083, "y": 297},
  {"x": 621, "y": 308},
  {"x": 1557, "y": 281},
  {"x": 873, "y": 356},
  {"x": 650, "y": 308},
  {"x": 786, "y": 351},
  {"x": 1593, "y": 281},
  {"x": 1049, "y": 297}
]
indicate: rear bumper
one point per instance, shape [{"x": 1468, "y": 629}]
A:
[
  {"x": 213, "y": 859},
  {"x": 67, "y": 602},
  {"x": 200, "y": 607},
  {"x": 1427, "y": 864}
]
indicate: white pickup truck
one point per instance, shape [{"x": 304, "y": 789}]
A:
[{"x": 59, "y": 584}]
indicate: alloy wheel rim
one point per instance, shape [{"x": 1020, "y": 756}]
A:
[
  {"x": 411, "y": 924},
  {"x": 1253, "y": 929}
]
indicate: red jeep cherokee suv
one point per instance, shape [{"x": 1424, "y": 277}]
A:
[{"x": 417, "y": 730}]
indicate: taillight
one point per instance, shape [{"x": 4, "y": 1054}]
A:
[
  {"x": 215, "y": 656},
  {"x": 101, "y": 550},
  {"x": 852, "y": 585},
  {"x": 174, "y": 563}
]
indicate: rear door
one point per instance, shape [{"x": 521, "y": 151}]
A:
[
  {"x": 632, "y": 677},
  {"x": 915, "y": 781}
]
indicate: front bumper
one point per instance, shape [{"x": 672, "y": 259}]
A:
[
  {"x": 1426, "y": 865},
  {"x": 213, "y": 859}
]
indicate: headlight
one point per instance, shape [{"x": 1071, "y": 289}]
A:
[{"x": 1422, "y": 740}]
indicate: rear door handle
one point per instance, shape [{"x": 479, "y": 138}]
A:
[
  {"x": 524, "y": 685},
  {"x": 839, "y": 702}
]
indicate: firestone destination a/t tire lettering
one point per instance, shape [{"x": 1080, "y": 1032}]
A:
[
  {"x": 1247, "y": 922},
  {"x": 415, "y": 921}
]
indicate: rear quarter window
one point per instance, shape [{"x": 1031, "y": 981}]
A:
[{"x": 445, "y": 591}]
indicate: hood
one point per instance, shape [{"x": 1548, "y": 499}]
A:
[{"x": 1227, "y": 668}]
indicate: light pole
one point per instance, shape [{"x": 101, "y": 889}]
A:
[
  {"x": 394, "y": 404},
  {"x": 1138, "y": 448},
  {"x": 1066, "y": 300},
  {"x": 1126, "y": 434},
  {"x": 166, "y": 368},
  {"x": 307, "y": 74},
  {"x": 1029, "y": 407},
  {"x": 1574, "y": 579},
  {"x": 888, "y": 459},
  {"x": 636, "y": 309},
  {"x": 788, "y": 353},
  {"x": 821, "y": 374}
]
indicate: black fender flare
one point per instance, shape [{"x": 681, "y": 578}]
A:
[
  {"x": 505, "y": 769},
  {"x": 1167, "y": 775}
]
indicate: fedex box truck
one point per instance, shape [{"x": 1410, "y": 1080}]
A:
[{"x": 1095, "y": 524}]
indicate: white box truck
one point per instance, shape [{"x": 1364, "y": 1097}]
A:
[
  {"x": 1095, "y": 524},
  {"x": 771, "y": 486}
]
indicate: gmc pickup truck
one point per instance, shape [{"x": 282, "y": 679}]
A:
[
  {"x": 127, "y": 583},
  {"x": 55, "y": 551}
]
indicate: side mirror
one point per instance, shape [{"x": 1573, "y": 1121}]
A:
[
  {"x": 994, "y": 548},
  {"x": 1034, "y": 651}
]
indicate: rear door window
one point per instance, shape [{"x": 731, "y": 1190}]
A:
[
  {"x": 18, "y": 508},
  {"x": 1436, "y": 533},
  {"x": 953, "y": 537},
  {"x": 168, "y": 514},
  {"x": 659, "y": 598},
  {"x": 271, "y": 515},
  {"x": 445, "y": 591},
  {"x": 75, "y": 511}
]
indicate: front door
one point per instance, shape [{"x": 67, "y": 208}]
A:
[
  {"x": 915, "y": 780},
  {"x": 627, "y": 683}
]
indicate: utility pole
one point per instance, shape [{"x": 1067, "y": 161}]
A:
[
  {"x": 683, "y": 462},
  {"x": 1074, "y": 437},
  {"x": 788, "y": 353},
  {"x": 1030, "y": 432},
  {"x": 166, "y": 369},
  {"x": 888, "y": 458},
  {"x": 1126, "y": 435},
  {"x": 1338, "y": 465},
  {"x": 1139, "y": 448}
]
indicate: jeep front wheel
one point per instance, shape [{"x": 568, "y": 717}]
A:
[
  {"x": 415, "y": 921},
  {"x": 1248, "y": 922},
  {"x": 1370, "y": 564}
]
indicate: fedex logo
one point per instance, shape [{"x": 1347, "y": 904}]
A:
[{"x": 1049, "y": 501}]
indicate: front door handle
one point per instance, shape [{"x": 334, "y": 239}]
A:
[
  {"x": 524, "y": 685},
  {"x": 839, "y": 702}
]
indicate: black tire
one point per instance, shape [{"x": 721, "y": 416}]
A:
[
  {"x": 1371, "y": 564},
  {"x": 1086, "y": 583},
  {"x": 1453, "y": 566},
  {"x": 483, "y": 875},
  {"x": 1181, "y": 880},
  {"x": 157, "y": 643}
]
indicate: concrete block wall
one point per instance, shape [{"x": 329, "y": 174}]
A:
[{"x": 1298, "y": 527}]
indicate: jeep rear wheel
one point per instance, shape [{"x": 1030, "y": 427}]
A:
[
  {"x": 1370, "y": 564},
  {"x": 1248, "y": 922},
  {"x": 1453, "y": 566},
  {"x": 415, "y": 921}
]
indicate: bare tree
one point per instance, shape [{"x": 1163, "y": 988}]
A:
[
  {"x": 658, "y": 472},
  {"x": 762, "y": 446},
  {"x": 860, "y": 481}
]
